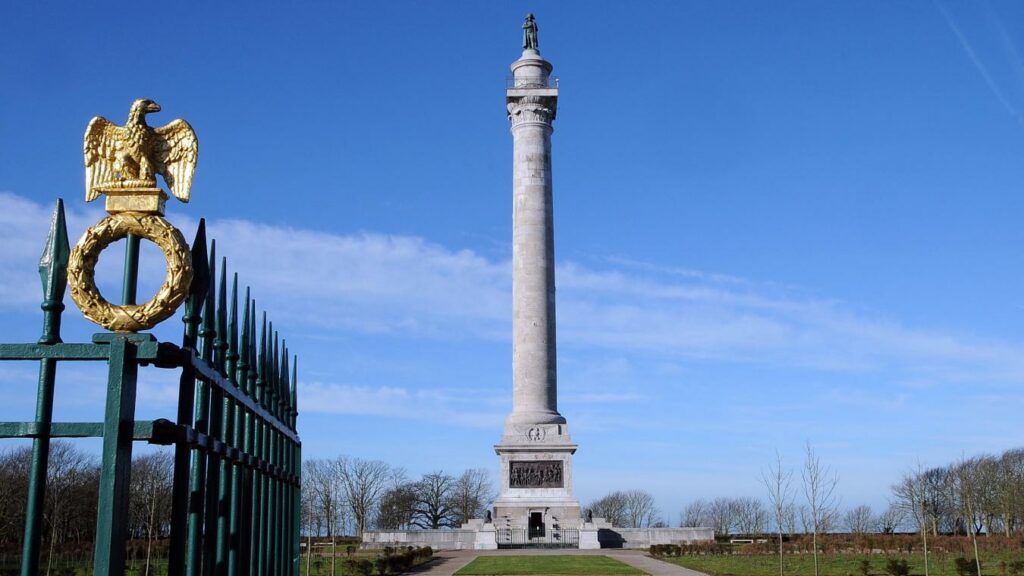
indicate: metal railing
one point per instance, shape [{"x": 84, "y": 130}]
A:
[
  {"x": 235, "y": 507},
  {"x": 513, "y": 538}
]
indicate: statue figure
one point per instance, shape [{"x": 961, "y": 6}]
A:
[
  {"x": 130, "y": 156},
  {"x": 590, "y": 515},
  {"x": 530, "y": 33},
  {"x": 487, "y": 517}
]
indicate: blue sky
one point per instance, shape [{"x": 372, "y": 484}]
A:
[{"x": 775, "y": 222}]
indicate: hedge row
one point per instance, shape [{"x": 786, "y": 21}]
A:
[{"x": 394, "y": 561}]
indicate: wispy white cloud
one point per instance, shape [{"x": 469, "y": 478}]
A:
[
  {"x": 460, "y": 408},
  {"x": 368, "y": 283},
  {"x": 979, "y": 65}
]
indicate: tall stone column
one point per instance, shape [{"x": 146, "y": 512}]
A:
[
  {"x": 535, "y": 449},
  {"x": 532, "y": 103}
]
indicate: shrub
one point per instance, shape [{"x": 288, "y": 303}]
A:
[
  {"x": 359, "y": 567},
  {"x": 896, "y": 567},
  {"x": 381, "y": 563},
  {"x": 864, "y": 567},
  {"x": 965, "y": 567},
  {"x": 1015, "y": 567}
]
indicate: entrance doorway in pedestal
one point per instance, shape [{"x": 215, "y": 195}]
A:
[{"x": 536, "y": 525}]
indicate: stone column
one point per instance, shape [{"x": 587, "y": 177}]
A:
[
  {"x": 532, "y": 103},
  {"x": 536, "y": 449}
]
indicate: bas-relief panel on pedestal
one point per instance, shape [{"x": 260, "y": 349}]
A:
[{"x": 535, "y": 474}]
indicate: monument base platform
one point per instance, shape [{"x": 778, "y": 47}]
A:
[{"x": 536, "y": 480}]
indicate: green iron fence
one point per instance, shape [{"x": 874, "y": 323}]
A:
[{"x": 237, "y": 455}]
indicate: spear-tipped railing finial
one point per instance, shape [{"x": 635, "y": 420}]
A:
[
  {"x": 209, "y": 329},
  {"x": 53, "y": 271}
]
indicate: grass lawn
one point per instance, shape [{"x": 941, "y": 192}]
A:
[
  {"x": 546, "y": 565},
  {"x": 833, "y": 564}
]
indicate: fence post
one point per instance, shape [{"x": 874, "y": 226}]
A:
[
  {"x": 118, "y": 432},
  {"x": 53, "y": 272}
]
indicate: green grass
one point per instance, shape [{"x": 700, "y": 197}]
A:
[
  {"x": 546, "y": 565},
  {"x": 833, "y": 564}
]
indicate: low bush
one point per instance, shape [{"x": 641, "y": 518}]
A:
[
  {"x": 896, "y": 567},
  {"x": 965, "y": 567}
]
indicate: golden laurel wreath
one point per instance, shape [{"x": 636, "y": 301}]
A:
[{"x": 135, "y": 317}]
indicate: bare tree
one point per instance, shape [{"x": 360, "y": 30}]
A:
[
  {"x": 362, "y": 484},
  {"x": 150, "y": 502},
  {"x": 611, "y": 507},
  {"x": 397, "y": 507},
  {"x": 67, "y": 473},
  {"x": 722, "y": 514},
  {"x": 14, "y": 471},
  {"x": 890, "y": 519},
  {"x": 750, "y": 515},
  {"x": 819, "y": 483},
  {"x": 1011, "y": 490},
  {"x": 859, "y": 520},
  {"x": 912, "y": 496},
  {"x": 472, "y": 493},
  {"x": 778, "y": 481},
  {"x": 966, "y": 480},
  {"x": 694, "y": 515},
  {"x": 434, "y": 501},
  {"x": 789, "y": 518},
  {"x": 640, "y": 508},
  {"x": 309, "y": 512}
]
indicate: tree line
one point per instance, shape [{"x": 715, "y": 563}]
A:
[
  {"x": 72, "y": 492},
  {"x": 346, "y": 495}
]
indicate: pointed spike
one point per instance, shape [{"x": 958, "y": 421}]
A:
[
  {"x": 254, "y": 364},
  {"x": 262, "y": 375},
  {"x": 275, "y": 360},
  {"x": 221, "y": 342},
  {"x": 209, "y": 330},
  {"x": 233, "y": 316},
  {"x": 200, "y": 267},
  {"x": 285, "y": 397},
  {"x": 232, "y": 356},
  {"x": 53, "y": 265},
  {"x": 283, "y": 379},
  {"x": 295, "y": 388},
  {"x": 243, "y": 342}
]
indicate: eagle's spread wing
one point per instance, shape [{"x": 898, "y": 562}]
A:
[
  {"x": 175, "y": 152},
  {"x": 102, "y": 139}
]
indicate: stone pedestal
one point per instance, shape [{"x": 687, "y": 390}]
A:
[
  {"x": 483, "y": 534},
  {"x": 536, "y": 479}
]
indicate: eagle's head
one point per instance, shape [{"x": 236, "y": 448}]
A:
[{"x": 140, "y": 108}]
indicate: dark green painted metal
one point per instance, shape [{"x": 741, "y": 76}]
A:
[
  {"x": 53, "y": 274},
  {"x": 206, "y": 422},
  {"x": 142, "y": 430},
  {"x": 129, "y": 289},
  {"x": 60, "y": 351},
  {"x": 237, "y": 453},
  {"x": 186, "y": 405},
  {"x": 115, "y": 475}
]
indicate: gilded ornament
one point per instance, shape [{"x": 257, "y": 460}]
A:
[
  {"x": 130, "y": 318},
  {"x": 122, "y": 162}
]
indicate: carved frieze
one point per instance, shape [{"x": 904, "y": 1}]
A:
[{"x": 535, "y": 474}]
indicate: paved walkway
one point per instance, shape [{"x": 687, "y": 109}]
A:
[{"x": 448, "y": 562}]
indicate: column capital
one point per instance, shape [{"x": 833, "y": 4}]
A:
[{"x": 532, "y": 110}]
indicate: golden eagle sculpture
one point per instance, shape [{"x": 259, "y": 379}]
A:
[{"x": 122, "y": 158}]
